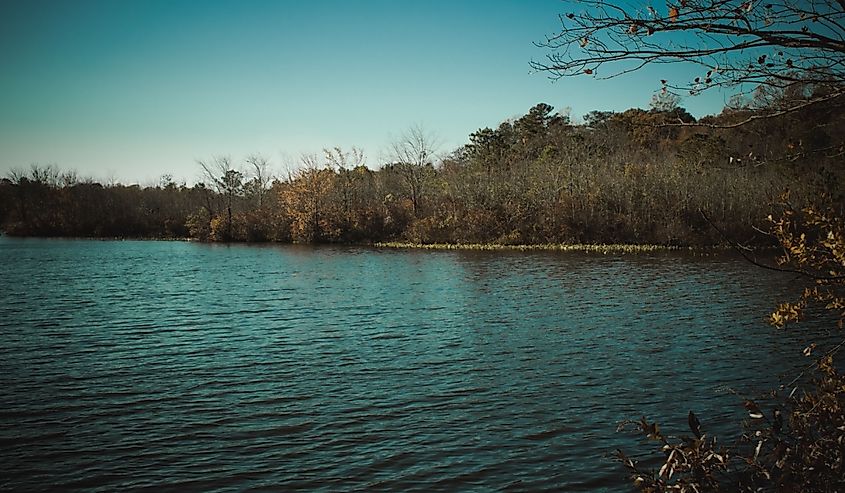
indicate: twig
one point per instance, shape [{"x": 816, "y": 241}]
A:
[
  {"x": 741, "y": 249},
  {"x": 831, "y": 352}
]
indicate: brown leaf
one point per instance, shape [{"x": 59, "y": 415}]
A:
[
  {"x": 673, "y": 14},
  {"x": 694, "y": 424}
]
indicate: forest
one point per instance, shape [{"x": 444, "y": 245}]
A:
[
  {"x": 765, "y": 171},
  {"x": 642, "y": 176}
]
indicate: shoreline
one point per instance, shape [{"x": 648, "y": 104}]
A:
[
  {"x": 103, "y": 238},
  {"x": 600, "y": 248},
  {"x": 550, "y": 247}
]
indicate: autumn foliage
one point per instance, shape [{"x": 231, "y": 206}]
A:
[{"x": 630, "y": 177}]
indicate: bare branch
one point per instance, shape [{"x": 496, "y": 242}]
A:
[{"x": 734, "y": 42}]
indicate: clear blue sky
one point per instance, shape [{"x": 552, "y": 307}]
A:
[{"x": 134, "y": 89}]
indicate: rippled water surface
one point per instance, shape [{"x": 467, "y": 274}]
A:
[{"x": 173, "y": 366}]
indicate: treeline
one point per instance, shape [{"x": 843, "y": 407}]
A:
[{"x": 629, "y": 177}]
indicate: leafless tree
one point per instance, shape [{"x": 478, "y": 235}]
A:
[
  {"x": 16, "y": 175},
  {"x": 346, "y": 164},
  {"x": 339, "y": 160},
  {"x": 111, "y": 180},
  {"x": 413, "y": 156},
  {"x": 227, "y": 182},
  {"x": 49, "y": 175},
  {"x": 261, "y": 176},
  {"x": 69, "y": 178},
  {"x": 310, "y": 162}
]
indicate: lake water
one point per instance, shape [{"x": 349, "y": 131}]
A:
[{"x": 170, "y": 366}]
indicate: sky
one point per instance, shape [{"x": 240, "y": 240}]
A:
[{"x": 128, "y": 91}]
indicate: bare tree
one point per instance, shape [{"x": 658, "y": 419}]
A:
[
  {"x": 227, "y": 182},
  {"x": 746, "y": 43},
  {"x": 69, "y": 178},
  {"x": 413, "y": 155},
  {"x": 49, "y": 175},
  {"x": 339, "y": 160},
  {"x": 310, "y": 162},
  {"x": 261, "y": 176},
  {"x": 111, "y": 180},
  {"x": 345, "y": 163},
  {"x": 165, "y": 181}
]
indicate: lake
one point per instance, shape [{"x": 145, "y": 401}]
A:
[{"x": 173, "y": 366}]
